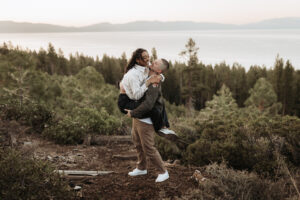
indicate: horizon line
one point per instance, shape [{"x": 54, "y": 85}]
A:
[{"x": 70, "y": 26}]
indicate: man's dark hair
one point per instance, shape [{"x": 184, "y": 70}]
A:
[
  {"x": 137, "y": 54},
  {"x": 166, "y": 64}
]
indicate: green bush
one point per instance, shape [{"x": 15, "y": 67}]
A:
[
  {"x": 228, "y": 184},
  {"x": 90, "y": 77},
  {"x": 287, "y": 128},
  {"x": 241, "y": 146},
  {"x": 82, "y": 121},
  {"x": 22, "y": 177},
  {"x": 65, "y": 131},
  {"x": 248, "y": 138},
  {"x": 28, "y": 113},
  {"x": 167, "y": 149},
  {"x": 95, "y": 121}
]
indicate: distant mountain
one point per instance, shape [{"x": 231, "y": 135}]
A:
[
  {"x": 17, "y": 27},
  {"x": 157, "y": 26},
  {"x": 25, "y": 27},
  {"x": 280, "y": 23}
]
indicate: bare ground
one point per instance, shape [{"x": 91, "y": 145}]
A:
[{"x": 112, "y": 156}]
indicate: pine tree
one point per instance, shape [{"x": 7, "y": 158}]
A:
[
  {"x": 278, "y": 78},
  {"x": 296, "y": 108},
  {"x": 52, "y": 59},
  {"x": 222, "y": 106},
  {"x": 154, "y": 54},
  {"x": 263, "y": 96},
  {"x": 190, "y": 53},
  {"x": 239, "y": 84},
  {"x": 253, "y": 74},
  {"x": 123, "y": 62},
  {"x": 288, "y": 94}
]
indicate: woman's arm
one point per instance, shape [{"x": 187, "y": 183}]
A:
[{"x": 134, "y": 90}]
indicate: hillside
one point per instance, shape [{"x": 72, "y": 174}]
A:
[{"x": 17, "y": 27}]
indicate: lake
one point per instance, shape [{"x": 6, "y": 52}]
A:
[{"x": 246, "y": 47}]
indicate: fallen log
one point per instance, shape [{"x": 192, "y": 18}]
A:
[
  {"x": 105, "y": 139},
  {"x": 82, "y": 173},
  {"x": 125, "y": 157}
]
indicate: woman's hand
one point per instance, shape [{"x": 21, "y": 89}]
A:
[
  {"x": 122, "y": 90},
  {"x": 155, "y": 79}
]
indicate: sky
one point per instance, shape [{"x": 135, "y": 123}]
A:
[{"x": 87, "y": 12}]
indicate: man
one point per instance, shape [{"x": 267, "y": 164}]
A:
[{"x": 142, "y": 129}]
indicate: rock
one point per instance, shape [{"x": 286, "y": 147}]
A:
[
  {"x": 49, "y": 158},
  {"x": 76, "y": 188},
  {"x": 197, "y": 176},
  {"x": 12, "y": 140},
  {"x": 176, "y": 162},
  {"x": 27, "y": 144}
]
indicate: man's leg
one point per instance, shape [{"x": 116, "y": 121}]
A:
[
  {"x": 142, "y": 162},
  {"x": 146, "y": 133}
]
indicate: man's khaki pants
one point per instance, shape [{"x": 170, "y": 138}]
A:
[{"x": 143, "y": 139}]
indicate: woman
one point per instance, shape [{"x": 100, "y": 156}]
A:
[{"x": 132, "y": 92}]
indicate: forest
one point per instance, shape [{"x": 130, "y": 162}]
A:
[{"x": 246, "y": 122}]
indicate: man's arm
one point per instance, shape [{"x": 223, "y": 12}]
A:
[{"x": 147, "y": 105}]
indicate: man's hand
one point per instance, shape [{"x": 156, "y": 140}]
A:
[
  {"x": 155, "y": 79},
  {"x": 128, "y": 112}
]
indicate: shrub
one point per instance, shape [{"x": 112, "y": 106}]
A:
[
  {"x": 72, "y": 128},
  {"x": 247, "y": 138},
  {"x": 28, "y": 113},
  {"x": 228, "y": 184},
  {"x": 65, "y": 131},
  {"x": 22, "y": 177},
  {"x": 90, "y": 77},
  {"x": 241, "y": 146},
  {"x": 288, "y": 129},
  {"x": 167, "y": 149}
]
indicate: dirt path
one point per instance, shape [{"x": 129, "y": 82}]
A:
[{"x": 108, "y": 157}]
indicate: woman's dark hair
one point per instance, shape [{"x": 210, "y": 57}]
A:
[{"x": 137, "y": 54}]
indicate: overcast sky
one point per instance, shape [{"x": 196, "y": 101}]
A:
[{"x": 86, "y": 12}]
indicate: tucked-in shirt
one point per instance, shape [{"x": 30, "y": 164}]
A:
[
  {"x": 134, "y": 84},
  {"x": 154, "y": 104}
]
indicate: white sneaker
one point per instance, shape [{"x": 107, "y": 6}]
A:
[
  {"x": 167, "y": 131},
  {"x": 137, "y": 172},
  {"x": 162, "y": 177}
]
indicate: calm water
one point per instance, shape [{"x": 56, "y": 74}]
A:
[{"x": 247, "y": 47}]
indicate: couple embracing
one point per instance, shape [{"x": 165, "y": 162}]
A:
[{"x": 141, "y": 98}]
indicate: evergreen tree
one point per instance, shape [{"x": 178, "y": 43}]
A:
[
  {"x": 278, "y": 78},
  {"x": 171, "y": 86},
  {"x": 262, "y": 96},
  {"x": 222, "y": 74},
  {"x": 296, "y": 108},
  {"x": 222, "y": 106},
  {"x": 42, "y": 60},
  {"x": 123, "y": 62},
  {"x": 288, "y": 89},
  {"x": 253, "y": 74},
  {"x": 153, "y": 54},
  {"x": 52, "y": 59},
  {"x": 239, "y": 84},
  {"x": 191, "y": 54}
]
